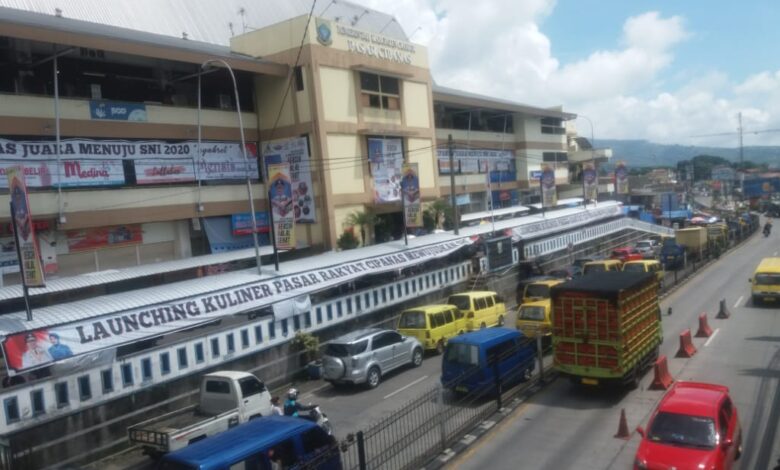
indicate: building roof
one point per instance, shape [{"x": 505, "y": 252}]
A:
[
  {"x": 78, "y": 33},
  {"x": 473, "y": 100}
]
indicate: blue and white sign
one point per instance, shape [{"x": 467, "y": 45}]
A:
[
  {"x": 242, "y": 223},
  {"x": 536, "y": 174},
  {"x": 113, "y": 111}
]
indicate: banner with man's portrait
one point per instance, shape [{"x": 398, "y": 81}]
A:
[
  {"x": 590, "y": 182},
  {"x": 547, "y": 182},
  {"x": 410, "y": 189},
  {"x": 24, "y": 233},
  {"x": 282, "y": 212}
]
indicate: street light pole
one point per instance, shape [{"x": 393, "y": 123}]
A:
[{"x": 243, "y": 152}]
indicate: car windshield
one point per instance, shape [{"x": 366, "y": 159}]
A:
[
  {"x": 463, "y": 302},
  {"x": 532, "y": 313},
  {"x": 412, "y": 319},
  {"x": 634, "y": 267},
  {"x": 464, "y": 354},
  {"x": 344, "y": 350},
  {"x": 594, "y": 268},
  {"x": 768, "y": 279},
  {"x": 537, "y": 290},
  {"x": 683, "y": 430}
]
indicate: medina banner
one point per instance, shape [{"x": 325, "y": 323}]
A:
[
  {"x": 295, "y": 152},
  {"x": 282, "y": 214},
  {"x": 547, "y": 182},
  {"x": 30, "y": 349},
  {"x": 410, "y": 188},
  {"x": 590, "y": 182},
  {"x": 24, "y": 232},
  {"x": 621, "y": 178}
]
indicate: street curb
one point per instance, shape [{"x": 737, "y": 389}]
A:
[{"x": 484, "y": 427}]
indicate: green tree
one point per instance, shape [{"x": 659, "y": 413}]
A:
[
  {"x": 440, "y": 214},
  {"x": 362, "y": 219},
  {"x": 347, "y": 240}
]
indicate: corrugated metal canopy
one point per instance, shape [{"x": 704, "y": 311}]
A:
[{"x": 445, "y": 95}]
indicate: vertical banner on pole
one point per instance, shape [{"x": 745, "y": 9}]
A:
[
  {"x": 621, "y": 178},
  {"x": 24, "y": 233},
  {"x": 280, "y": 195},
  {"x": 590, "y": 183},
  {"x": 410, "y": 188},
  {"x": 547, "y": 181}
]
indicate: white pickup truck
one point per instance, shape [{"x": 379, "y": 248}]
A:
[{"x": 227, "y": 399}]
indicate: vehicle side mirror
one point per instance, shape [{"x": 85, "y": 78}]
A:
[
  {"x": 640, "y": 430},
  {"x": 726, "y": 443}
]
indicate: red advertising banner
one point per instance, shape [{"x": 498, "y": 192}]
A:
[
  {"x": 104, "y": 237},
  {"x": 24, "y": 233}
]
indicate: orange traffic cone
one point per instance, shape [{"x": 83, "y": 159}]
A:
[{"x": 623, "y": 426}]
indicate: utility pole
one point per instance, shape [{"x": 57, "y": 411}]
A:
[
  {"x": 453, "y": 201},
  {"x": 741, "y": 160}
]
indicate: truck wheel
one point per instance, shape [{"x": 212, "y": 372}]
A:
[
  {"x": 482, "y": 326},
  {"x": 634, "y": 379},
  {"x": 374, "y": 377},
  {"x": 417, "y": 357}
]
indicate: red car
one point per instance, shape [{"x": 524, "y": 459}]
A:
[
  {"x": 627, "y": 254},
  {"x": 695, "y": 427}
]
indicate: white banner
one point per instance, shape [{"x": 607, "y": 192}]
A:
[
  {"x": 164, "y": 171},
  {"x": 475, "y": 161},
  {"x": 557, "y": 224},
  {"x": 73, "y": 173},
  {"x": 27, "y": 350},
  {"x": 295, "y": 152},
  {"x": 292, "y": 307},
  {"x": 386, "y": 159}
]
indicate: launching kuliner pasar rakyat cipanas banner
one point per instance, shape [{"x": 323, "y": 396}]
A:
[
  {"x": 24, "y": 234},
  {"x": 590, "y": 183},
  {"x": 282, "y": 212},
  {"x": 410, "y": 189},
  {"x": 547, "y": 181},
  {"x": 621, "y": 178}
]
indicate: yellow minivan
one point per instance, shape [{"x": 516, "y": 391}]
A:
[
  {"x": 646, "y": 266},
  {"x": 432, "y": 325},
  {"x": 601, "y": 266},
  {"x": 534, "y": 319},
  {"x": 481, "y": 308},
  {"x": 539, "y": 290},
  {"x": 765, "y": 283}
]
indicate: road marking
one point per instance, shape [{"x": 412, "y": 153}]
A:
[
  {"x": 736, "y": 304},
  {"x": 312, "y": 392},
  {"x": 714, "y": 333},
  {"x": 471, "y": 450},
  {"x": 405, "y": 387}
]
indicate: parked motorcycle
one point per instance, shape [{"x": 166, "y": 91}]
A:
[
  {"x": 316, "y": 415},
  {"x": 767, "y": 230}
]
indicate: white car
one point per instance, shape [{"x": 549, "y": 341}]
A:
[{"x": 648, "y": 248}]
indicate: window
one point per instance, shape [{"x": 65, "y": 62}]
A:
[
  {"x": 398, "y": 290},
  {"x": 218, "y": 386},
  {"x": 384, "y": 295},
  {"x": 298, "y": 78},
  {"x": 259, "y": 334},
  {"x": 181, "y": 353},
  {"x": 251, "y": 386},
  {"x": 480, "y": 303},
  {"x": 489, "y": 301},
  {"x": 307, "y": 320},
  {"x": 296, "y": 322},
  {"x": 231, "y": 343},
  {"x": 392, "y": 295},
  {"x": 406, "y": 287},
  {"x": 376, "y": 298},
  {"x": 457, "y": 313},
  {"x": 285, "y": 328},
  {"x": 558, "y": 157},
  {"x": 272, "y": 330},
  {"x": 438, "y": 320},
  {"x": 85, "y": 386},
  {"x": 107, "y": 380},
  {"x": 146, "y": 369},
  {"x": 381, "y": 341},
  {"x": 378, "y": 91},
  {"x": 367, "y": 298},
  {"x": 11, "y": 406},
  {"x": 200, "y": 356},
  {"x": 165, "y": 363},
  {"x": 349, "y": 305},
  {"x": 329, "y": 310},
  {"x": 61, "y": 394},
  {"x": 214, "y": 347},
  {"x": 553, "y": 126},
  {"x": 357, "y": 303},
  {"x": 38, "y": 406},
  {"x": 339, "y": 311},
  {"x": 127, "y": 375},
  {"x": 448, "y": 317},
  {"x": 244, "y": 338}
]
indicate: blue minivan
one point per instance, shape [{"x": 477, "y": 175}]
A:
[
  {"x": 471, "y": 360},
  {"x": 260, "y": 444}
]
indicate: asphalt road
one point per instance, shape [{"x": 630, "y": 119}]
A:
[{"x": 566, "y": 428}]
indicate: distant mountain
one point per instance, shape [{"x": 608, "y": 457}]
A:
[{"x": 638, "y": 153}]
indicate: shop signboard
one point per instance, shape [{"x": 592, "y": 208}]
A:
[
  {"x": 295, "y": 152},
  {"x": 500, "y": 164},
  {"x": 282, "y": 213},
  {"x": 410, "y": 187},
  {"x": 547, "y": 184},
  {"x": 242, "y": 223},
  {"x": 164, "y": 171},
  {"x": 621, "y": 178},
  {"x": 9, "y": 261},
  {"x": 115, "y": 111},
  {"x": 24, "y": 232},
  {"x": 72, "y": 173},
  {"x": 94, "y": 334},
  {"x": 590, "y": 182},
  {"x": 386, "y": 159},
  {"x": 104, "y": 237}
]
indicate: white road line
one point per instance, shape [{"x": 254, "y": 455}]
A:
[
  {"x": 707, "y": 343},
  {"x": 405, "y": 387},
  {"x": 736, "y": 304}
]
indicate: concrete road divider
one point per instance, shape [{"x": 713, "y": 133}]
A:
[
  {"x": 623, "y": 432},
  {"x": 723, "y": 311},
  {"x": 662, "y": 379},
  {"x": 704, "y": 330},
  {"x": 687, "y": 349}
]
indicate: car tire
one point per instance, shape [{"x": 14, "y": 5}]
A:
[
  {"x": 461, "y": 332},
  {"x": 634, "y": 379},
  {"x": 417, "y": 357},
  {"x": 500, "y": 320},
  {"x": 482, "y": 326},
  {"x": 373, "y": 377},
  {"x": 440, "y": 347}
]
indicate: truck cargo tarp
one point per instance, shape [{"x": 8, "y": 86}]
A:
[{"x": 606, "y": 284}]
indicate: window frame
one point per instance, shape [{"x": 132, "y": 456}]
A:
[{"x": 380, "y": 98}]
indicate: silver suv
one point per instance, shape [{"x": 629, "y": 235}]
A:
[{"x": 363, "y": 356}]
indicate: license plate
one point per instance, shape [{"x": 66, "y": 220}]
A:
[
  {"x": 461, "y": 388},
  {"x": 588, "y": 381}
]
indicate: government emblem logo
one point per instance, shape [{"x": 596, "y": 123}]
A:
[{"x": 324, "y": 34}]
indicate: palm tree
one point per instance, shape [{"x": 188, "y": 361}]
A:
[
  {"x": 362, "y": 220},
  {"x": 440, "y": 210}
]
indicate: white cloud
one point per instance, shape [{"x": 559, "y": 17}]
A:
[{"x": 498, "y": 49}]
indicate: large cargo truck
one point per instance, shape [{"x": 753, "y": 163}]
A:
[
  {"x": 694, "y": 239},
  {"x": 606, "y": 327}
]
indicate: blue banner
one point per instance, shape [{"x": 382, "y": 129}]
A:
[
  {"x": 113, "y": 111},
  {"x": 242, "y": 223},
  {"x": 761, "y": 186}
]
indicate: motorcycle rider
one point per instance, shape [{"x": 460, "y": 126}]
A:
[
  {"x": 768, "y": 227},
  {"x": 292, "y": 407}
]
